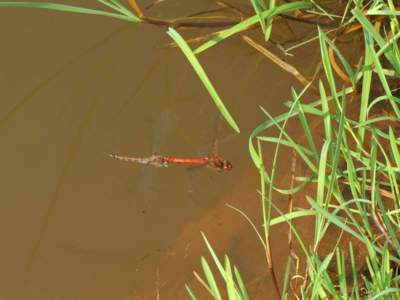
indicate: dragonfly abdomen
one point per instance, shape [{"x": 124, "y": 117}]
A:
[
  {"x": 186, "y": 161},
  {"x": 128, "y": 159}
]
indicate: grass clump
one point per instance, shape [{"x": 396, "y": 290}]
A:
[
  {"x": 351, "y": 185},
  {"x": 350, "y": 189}
]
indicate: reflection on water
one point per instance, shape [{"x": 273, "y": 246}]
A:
[{"x": 77, "y": 224}]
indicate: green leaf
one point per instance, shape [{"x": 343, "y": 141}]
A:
[
  {"x": 394, "y": 148},
  {"x": 190, "y": 292},
  {"x": 203, "y": 76},
  {"x": 291, "y": 216},
  {"x": 230, "y": 283},
  {"x": 327, "y": 64},
  {"x": 284, "y": 8},
  {"x": 240, "y": 282},
  {"x": 214, "y": 256},
  {"x": 369, "y": 28},
  {"x": 334, "y": 219},
  {"x": 210, "y": 279},
  {"x": 72, "y": 9},
  {"x": 258, "y": 9}
]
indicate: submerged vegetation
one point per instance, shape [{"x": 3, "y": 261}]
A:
[{"x": 349, "y": 150}]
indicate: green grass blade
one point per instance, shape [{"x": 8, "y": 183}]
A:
[
  {"x": 325, "y": 111},
  {"x": 320, "y": 190},
  {"x": 294, "y": 231},
  {"x": 110, "y": 5},
  {"x": 354, "y": 273},
  {"x": 71, "y": 9},
  {"x": 242, "y": 288},
  {"x": 286, "y": 279},
  {"x": 268, "y": 23},
  {"x": 318, "y": 278},
  {"x": 190, "y": 292},
  {"x": 122, "y": 7},
  {"x": 336, "y": 153},
  {"x": 275, "y": 140},
  {"x": 392, "y": 232},
  {"x": 116, "y": 5},
  {"x": 284, "y": 8},
  {"x": 309, "y": 163},
  {"x": 214, "y": 256},
  {"x": 295, "y": 189},
  {"x": 366, "y": 83},
  {"x": 342, "y": 59},
  {"x": 230, "y": 283},
  {"x": 383, "y": 12},
  {"x": 341, "y": 271},
  {"x": 291, "y": 216},
  {"x": 322, "y": 171},
  {"x": 387, "y": 291},
  {"x": 247, "y": 218},
  {"x": 382, "y": 77},
  {"x": 333, "y": 219},
  {"x": 307, "y": 131},
  {"x": 258, "y": 10},
  {"x": 327, "y": 64},
  {"x": 210, "y": 279},
  {"x": 395, "y": 150},
  {"x": 203, "y": 76},
  {"x": 369, "y": 28}
]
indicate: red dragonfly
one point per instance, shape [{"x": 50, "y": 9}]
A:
[{"x": 213, "y": 161}]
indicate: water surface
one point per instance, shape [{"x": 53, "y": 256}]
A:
[{"x": 79, "y": 225}]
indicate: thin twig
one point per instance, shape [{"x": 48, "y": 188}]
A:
[
  {"x": 290, "y": 196},
  {"x": 154, "y": 3},
  {"x": 308, "y": 21},
  {"x": 336, "y": 67},
  {"x": 292, "y": 288},
  {"x": 158, "y": 284},
  {"x": 179, "y": 22},
  {"x": 290, "y": 209},
  {"x": 136, "y": 9},
  {"x": 210, "y": 11},
  {"x": 232, "y": 7},
  {"x": 202, "y": 282},
  {"x": 188, "y": 21},
  {"x": 196, "y": 39},
  {"x": 279, "y": 62},
  {"x": 383, "y": 192},
  {"x": 268, "y": 255},
  {"x": 382, "y": 230}
]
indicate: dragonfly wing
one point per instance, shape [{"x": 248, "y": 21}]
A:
[{"x": 147, "y": 186}]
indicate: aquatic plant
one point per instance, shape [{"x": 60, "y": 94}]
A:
[
  {"x": 352, "y": 169},
  {"x": 353, "y": 166}
]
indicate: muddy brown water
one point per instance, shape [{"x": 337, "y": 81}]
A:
[{"x": 76, "y": 224}]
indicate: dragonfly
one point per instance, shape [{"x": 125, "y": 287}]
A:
[{"x": 211, "y": 161}]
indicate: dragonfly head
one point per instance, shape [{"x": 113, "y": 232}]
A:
[{"x": 225, "y": 165}]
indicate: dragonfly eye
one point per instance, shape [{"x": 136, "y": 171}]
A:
[{"x": 227, "y": 165}]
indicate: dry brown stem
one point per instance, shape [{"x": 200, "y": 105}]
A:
[{"x": 279, "y": 62}]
